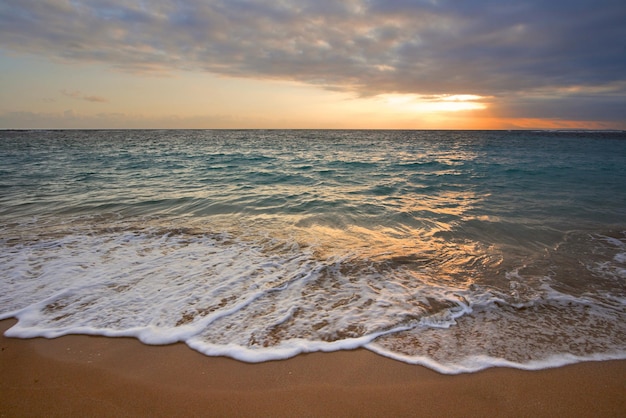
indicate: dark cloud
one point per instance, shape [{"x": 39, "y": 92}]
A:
[
  {"x": 500, "y": 48},
  {"x": 578, "y": 105}
]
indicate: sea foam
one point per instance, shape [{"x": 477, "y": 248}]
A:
[{"x": 457, "y": 250}]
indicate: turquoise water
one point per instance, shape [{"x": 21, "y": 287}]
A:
[{"x": 458, "y": 250}]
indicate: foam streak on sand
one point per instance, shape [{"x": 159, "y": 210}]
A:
[{"x": 454, "y": 250}]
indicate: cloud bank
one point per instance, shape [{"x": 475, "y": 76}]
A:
[{"x": 536, "y": 58}]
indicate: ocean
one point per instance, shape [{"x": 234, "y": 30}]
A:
[{"x": 456, "y": 250}]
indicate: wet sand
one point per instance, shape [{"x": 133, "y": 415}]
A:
[{"x": 95, "y": 376}]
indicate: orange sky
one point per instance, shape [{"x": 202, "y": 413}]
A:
[{"x": 312, "y": 64}]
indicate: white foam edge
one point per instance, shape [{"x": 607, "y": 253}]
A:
[
  {"x": 28, "y": 317},
  {"x": 474, "y": 364},
  {"x": 147, "y": 335},
  {"x": 447, "y": 317},
  {"x": 286, "y": 349},
  {"x": 294, "y": 347}
]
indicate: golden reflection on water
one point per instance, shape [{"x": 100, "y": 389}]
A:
[
  {"x": 421, "y": 236},
  {"x": 424, "y": 254}
]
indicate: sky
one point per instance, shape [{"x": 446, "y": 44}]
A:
[{"x": 316, "y": 64}]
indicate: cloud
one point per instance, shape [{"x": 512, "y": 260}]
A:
[
  {"x": 79, "y": 96},
  {"x": 502, "y": 48},
  {"x": 96, "y": 99},
  {"x": 578, "y": 103},
  {"x": 72, "y": 94}
]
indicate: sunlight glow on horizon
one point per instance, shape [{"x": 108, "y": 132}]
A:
[
  {"x": 101, "y": 98},
  {"x": 310, "y": 64},
  {"x": 434, "y": 103}
]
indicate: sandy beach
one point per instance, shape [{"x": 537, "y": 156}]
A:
[{"x": 95, "y": 376}]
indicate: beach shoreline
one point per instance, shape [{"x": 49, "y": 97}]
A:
[{"x": 81, "y": 375}]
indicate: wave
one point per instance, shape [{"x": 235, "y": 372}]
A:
[
  {"x": 259, "y": 298},
  {"x": 457, "y": 250}
]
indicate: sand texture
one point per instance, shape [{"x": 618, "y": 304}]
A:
[{"x": 95, "y": 376}]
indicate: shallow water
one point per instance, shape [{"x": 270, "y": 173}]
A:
[{"x": 457, "y": 250}]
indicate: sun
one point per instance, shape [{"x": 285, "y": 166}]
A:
[{"x": 434, "y": 103}]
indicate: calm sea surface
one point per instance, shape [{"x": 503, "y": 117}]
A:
[{"x": 456, "y": 250}]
